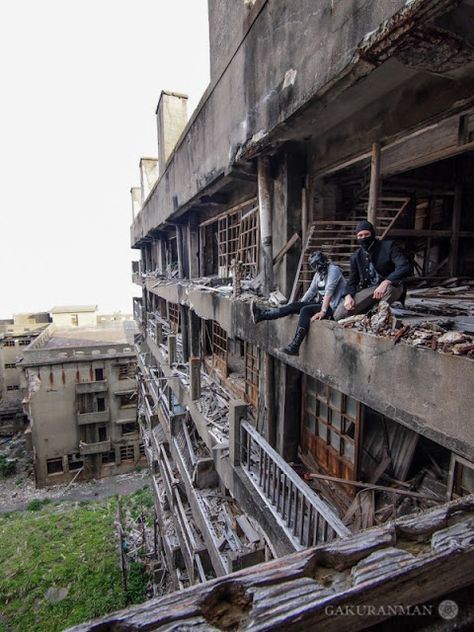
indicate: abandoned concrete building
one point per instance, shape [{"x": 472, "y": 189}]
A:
[
  {"x": 318, "y": 114},
  {"x": 79, "y": 376},
  {"x": 15, "y": 334}
]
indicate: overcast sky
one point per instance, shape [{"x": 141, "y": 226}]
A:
[{"x": 80, "y": 81}]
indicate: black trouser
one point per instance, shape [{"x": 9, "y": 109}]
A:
[{"x": 305, "y": 310}]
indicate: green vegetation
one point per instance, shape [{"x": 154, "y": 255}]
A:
[
  {"x": 137, "y": 582},
  {"x": 139, "y": 502},
  {"x": 7, "y": 468},
  {"x": 36, "y": 505},
  {"x": 60, "y": 566}
]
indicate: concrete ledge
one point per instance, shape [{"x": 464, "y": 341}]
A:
[{"x": 422, "y": 389}]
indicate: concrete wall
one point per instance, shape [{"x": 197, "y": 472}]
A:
[
  {"x": 260, "y": 90},
  {"x": 53, "y": 414},
  {"x": 84, "y": 319}
]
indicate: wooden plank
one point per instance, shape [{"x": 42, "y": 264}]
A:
[{"x": 282, "y": 252}]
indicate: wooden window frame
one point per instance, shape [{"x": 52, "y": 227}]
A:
[
  {"x": 252, "y": 374},
  {"x": 326, "y": 420}
]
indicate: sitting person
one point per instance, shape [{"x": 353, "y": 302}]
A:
[
  {"x": 320, "y": 301},
  {"x": 378, "y": 269}
]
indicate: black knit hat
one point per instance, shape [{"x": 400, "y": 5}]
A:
[{"x": 365, "y": 225}]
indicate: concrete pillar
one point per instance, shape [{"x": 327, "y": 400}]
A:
[
  {"x": 161, "y": 263},
  {"x": 269, "y": 398},
  {"x": 194, "y": 334},
  {"x": 287, "y": 219},
  {"x": 195, "y": 378},
  {"x": 265, "y": 211},
  {"x": 237, "y": 412},
  {"x": 193, "y": 246},
  {"x": 171, "y": 349},
  {"x": 289, "y": 411},
  {"x": 179, "y": 248},
  {"x": 158, "y": 333},
  {"x": 374, "y": 190},
  {"x": 455, "y": 227},
  {"x": 183, "y": 315}
]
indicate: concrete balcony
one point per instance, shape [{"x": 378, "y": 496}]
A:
[
  {"x": 92, "y": 387},
  {"x": 137, "y": 279},
  {"x": 94, "y": 448},
  {"x": 361, "y": 365},
  {"x": 93, "y": 418}
]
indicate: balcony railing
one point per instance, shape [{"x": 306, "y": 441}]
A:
[
  {"x": 93, "y": 418},
  {"x": 98, "y": 386},
  {"x": 94, "y": 448},
  {"x": 306, "y": 517}
]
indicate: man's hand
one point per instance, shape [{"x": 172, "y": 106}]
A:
[
  {"x": 318, "y": 316},
  {"x": 381, "y": 289},
  {"x": 349, "y": 303}
]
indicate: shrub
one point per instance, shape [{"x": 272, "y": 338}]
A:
[{"x": 7, "y": 467}]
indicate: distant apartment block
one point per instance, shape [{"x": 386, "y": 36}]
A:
[{"x": 79, "y": 376}]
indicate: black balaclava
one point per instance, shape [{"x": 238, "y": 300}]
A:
[{"x": 366, "y": 242}]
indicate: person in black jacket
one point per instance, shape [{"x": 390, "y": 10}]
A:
[{"x": 378, "y": 269}]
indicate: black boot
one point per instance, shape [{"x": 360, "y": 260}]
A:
[
  {"x": 293, "y": 347},
  {"x": 259, "y": 314}
]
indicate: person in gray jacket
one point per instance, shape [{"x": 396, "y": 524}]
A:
[{"x": 319, "y": 302}]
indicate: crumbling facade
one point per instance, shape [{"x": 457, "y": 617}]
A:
[
  {"x": 317, "y": 115},
  {"x": 15, "y": 335},
  {"x": 79, "y": 376}
]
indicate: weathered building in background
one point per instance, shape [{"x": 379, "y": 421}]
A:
[
  {"x": 15, "y": 334},
  {"x": 79, "y": 376},
  {"x": 318, "y": 114}
]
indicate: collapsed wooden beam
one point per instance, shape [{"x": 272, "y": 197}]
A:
[{"x": 370, "y": 577}]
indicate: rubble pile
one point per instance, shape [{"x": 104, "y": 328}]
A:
[
  {"x": 431, "y": 334},
  {"x": 214, "y": 405}
]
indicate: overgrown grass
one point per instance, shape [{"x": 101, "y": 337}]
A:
[{"x": 73, "y": 548}]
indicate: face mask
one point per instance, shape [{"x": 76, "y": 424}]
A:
[{"x": 366, "y": 242}]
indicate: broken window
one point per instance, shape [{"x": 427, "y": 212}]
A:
[
  {"x": 231, "y": 236},
  {"x": 128, "y": 400},
  {"x": 10, "y": 365},
  {"x": 54, "y": 466},
  {"x": 24, "y": 342},
  {"x": 127, "y": 453},
  {"x": 74, "y": 320},
  {"x": 217, "y": 339},
  {"x": 141, "y": 449},
  {"x": 127, "y": 371},
  {"x": 461, "y": 477},
  {"x": 173, "y": 317},
  {"x": 108, "y": 458},
  {"x": 13, "y": 387},
  {"x": 99, "y": 375},
  {"x": 100, "y": 404},
  {"x": 9, "y": 343},
  {"x": 252, "y": 367},
  {"x": 74, "y": 462},
  {"x": 102, "y": 433},
  {"x": 228, "y": 230},
  {"x": 248, "y": 245},
  {"x": 129, "y": 428},
  {"x": 330, "y": 429}
]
